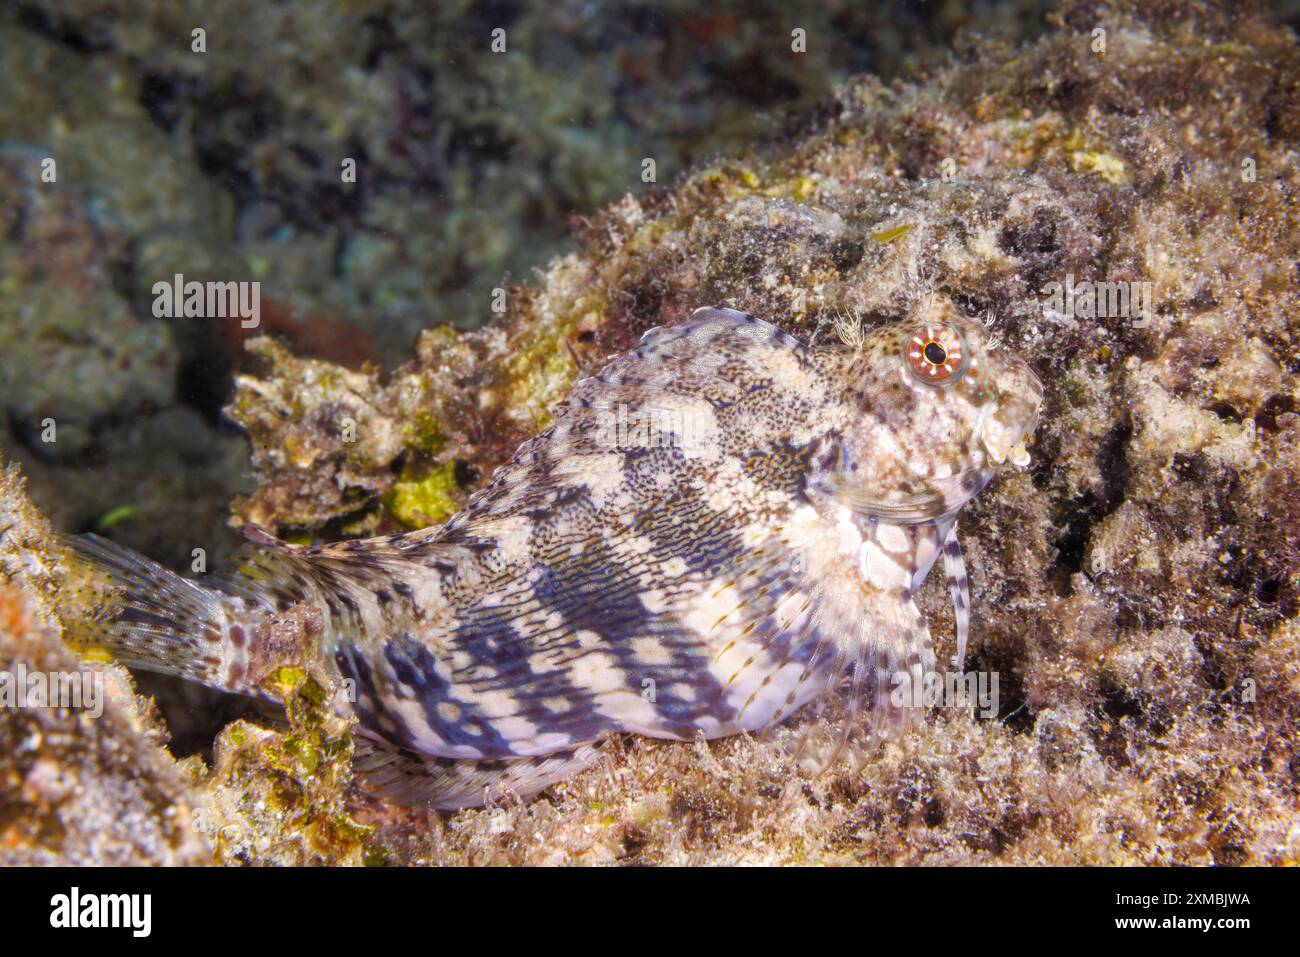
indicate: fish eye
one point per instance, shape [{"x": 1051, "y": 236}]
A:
[{"x": 934, "y": 352}]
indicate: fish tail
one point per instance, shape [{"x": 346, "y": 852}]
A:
[{"x": 127, "y": 608}]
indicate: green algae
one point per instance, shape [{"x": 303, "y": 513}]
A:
[
  {"x": 425, "y": 501},
  {"x": 424, "y": 435},
  {"x": 115, "y": 517},
  {"x": 281, "y": 795},
  {"x": 886, "y": 236}
]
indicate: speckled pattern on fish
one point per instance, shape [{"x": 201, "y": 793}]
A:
[{"x": 720, "y": 527}]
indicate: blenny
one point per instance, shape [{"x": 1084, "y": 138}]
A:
[{"x": 721, "y": 526}]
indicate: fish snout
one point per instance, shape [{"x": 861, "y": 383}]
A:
[{"x": 1005, "y": 432}]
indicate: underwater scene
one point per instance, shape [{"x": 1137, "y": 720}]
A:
[{"x": 578, "y": 433}]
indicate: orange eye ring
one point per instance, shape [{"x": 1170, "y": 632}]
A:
[{"x": 935, "y": 352}]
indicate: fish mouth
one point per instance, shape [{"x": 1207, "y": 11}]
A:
[
  {"x": 1007, "y": 445},
  {"x": 1009, "y": 428}
]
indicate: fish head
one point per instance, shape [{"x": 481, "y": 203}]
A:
[{"x": 938, "y": 408}]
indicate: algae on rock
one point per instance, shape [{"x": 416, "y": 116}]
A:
[{"x": 78, "y": 785}]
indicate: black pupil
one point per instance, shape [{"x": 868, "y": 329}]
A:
[{"x": 934, "y": 353}]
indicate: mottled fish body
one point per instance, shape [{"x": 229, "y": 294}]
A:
[{"x": 719, "y": 527}]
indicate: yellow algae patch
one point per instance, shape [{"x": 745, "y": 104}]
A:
[
  {"x": 889, "y": 235},
  {"x": 1109, "y": 167}
]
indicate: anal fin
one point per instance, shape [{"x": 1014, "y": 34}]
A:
[{"x": 410, "y": 778}]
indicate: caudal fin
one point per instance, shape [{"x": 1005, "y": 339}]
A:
[{"x": 125, "y": 606}]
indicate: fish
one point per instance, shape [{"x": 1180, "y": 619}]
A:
[{"x": 720, "y": 528}]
